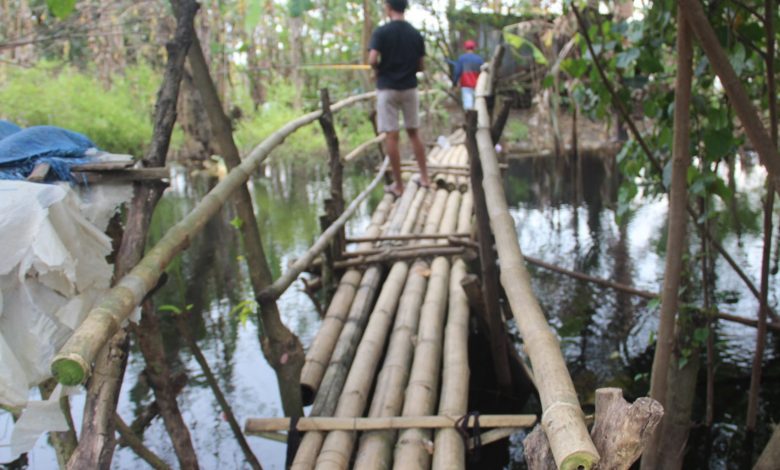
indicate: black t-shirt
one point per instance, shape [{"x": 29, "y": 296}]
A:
[{"x": 400, "y": 48}]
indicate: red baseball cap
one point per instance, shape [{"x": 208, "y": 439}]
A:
[{"x": 469, "y": 45}]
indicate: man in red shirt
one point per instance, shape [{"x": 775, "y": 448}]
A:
[{"x": 467, "y": 70}]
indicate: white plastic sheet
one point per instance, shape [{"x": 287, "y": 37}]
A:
[{"x": 52, "y": 270}]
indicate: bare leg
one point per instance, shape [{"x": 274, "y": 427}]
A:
[
  {"x": 419, "y": 155},
  {"x": 395, "y": 162}
]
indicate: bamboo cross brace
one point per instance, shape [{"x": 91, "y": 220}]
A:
[
  {"x": 73, "y": 363},
  {"x": 321, "y": 423}
]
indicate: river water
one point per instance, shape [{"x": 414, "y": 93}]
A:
[{"x": 561, "y": 218}]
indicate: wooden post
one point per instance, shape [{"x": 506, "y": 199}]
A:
[
  {"x": 487, "y": 258},
  {"x": 620, "y": 432},
  {"x": 336, "y": 169}
]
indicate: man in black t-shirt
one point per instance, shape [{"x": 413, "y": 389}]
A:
[{"x": 396, "y": 53}]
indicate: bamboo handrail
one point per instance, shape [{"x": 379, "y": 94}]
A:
[
  {"x": 562, "y": 417},
  {"x": 322, "y": 423},
  {"x": 360, "y": 149},
  {"x": 275, "y": 290},
  {"x": 73, "y": 363}
]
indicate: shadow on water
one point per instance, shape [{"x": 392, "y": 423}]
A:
[{"x": 568, "y": 218}]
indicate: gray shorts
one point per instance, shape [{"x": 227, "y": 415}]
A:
[{"x": 388, "y": 102}]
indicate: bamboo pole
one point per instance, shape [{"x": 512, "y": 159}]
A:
[
  {"x": 439, "y": 178},
  {"x": 318, "y": 356},
  {"x": 410, "y": 237},
  {"x": 457, "y": 159},
  {"x": 275, "y": 290},
  {"x": 394, "y": 256},
  {"x": 562, "y": 416},
  {"x": 360, "y": 150},
  {"x": 337, "y": 448},
  {"x": 449, "y": 451},
  {"x": 259, "y": 425},
  {"x": 325, "y": 401},
  {"x": 375, "y": 449},
  {"x": 421, "y": 393},
  {"x": 73, "y": 363},
  {"x": 396, "y": 249},
  {"x": 413, "y": 211}
]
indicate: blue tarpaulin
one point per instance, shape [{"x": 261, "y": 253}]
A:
[
  {"x": 8, "y": 128},
  {"x": 20, "y": 151}
]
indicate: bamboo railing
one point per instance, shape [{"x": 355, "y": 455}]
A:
[
  {"x": 73, "y": 363},
  {"x": 562, "y": 417}
]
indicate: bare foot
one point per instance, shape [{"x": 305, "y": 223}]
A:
[
  {"x": 395, "y": 189},
  {"x": 424, "y": 183}
]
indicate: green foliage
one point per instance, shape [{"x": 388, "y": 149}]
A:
[
  {"x": 61, "y": 8},
  {"x": 117, "y": 120},
  {"x": 352, "y": 124},
  {"x": 243, "y": 310}
]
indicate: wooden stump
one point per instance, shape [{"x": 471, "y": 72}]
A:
[{"x": 620, "y": 432}]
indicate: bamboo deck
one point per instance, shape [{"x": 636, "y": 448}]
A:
[{"x": 393, "y": 342}]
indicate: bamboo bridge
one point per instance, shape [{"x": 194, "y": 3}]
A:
[{"x": 388, "y": 372}]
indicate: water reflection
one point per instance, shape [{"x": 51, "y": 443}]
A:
[
  {"x": 567, "y": 218},
  {"x": 211, "y": 278}
]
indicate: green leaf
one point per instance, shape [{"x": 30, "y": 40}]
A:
[
  {"x": 574, "y": 67},
  {"x": 700, "y": 335},
  {"x": 61, "y": 8},
  {"x": 654, "y": 303},
  {"x": 170, "y": 308},
  {"x": 548, "y": 81},
  {"x": 237, "y": 223},
  {"x": 717, "y": 144}
]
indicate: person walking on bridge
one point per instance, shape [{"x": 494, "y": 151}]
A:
[
  {"x": 467, "y": 69},
  {"x": 396, "y": 53}
]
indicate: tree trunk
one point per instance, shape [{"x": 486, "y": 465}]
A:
[
  {"x": 150, "y": 341},
  {"x": 296, "y": 28},
  {"x": 281, "y": 347},
  {"x": 738, "y": 98},
  {"x": 97, "y": 440},
  {"x": 678, "y": 200}
]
